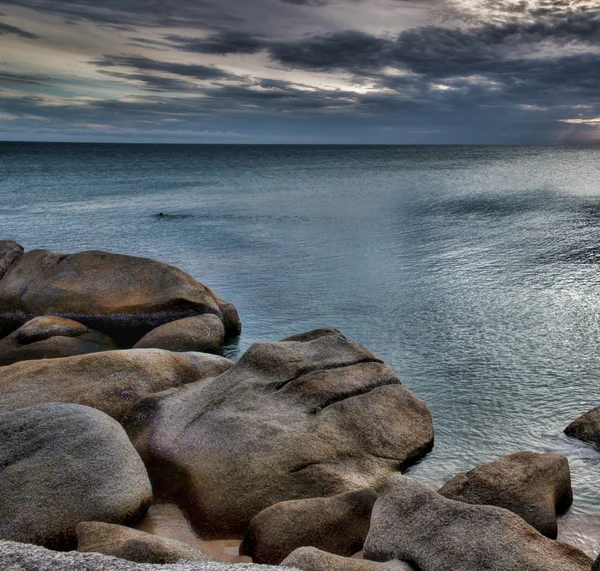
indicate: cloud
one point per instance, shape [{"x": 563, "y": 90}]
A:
[
  {"x": 225, "y": 42},
  {"x": 8, "y": 29},
  {"x": 151, "y": 73}
]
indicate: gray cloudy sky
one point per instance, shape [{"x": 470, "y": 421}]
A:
[{"x": 301, "y": 71}]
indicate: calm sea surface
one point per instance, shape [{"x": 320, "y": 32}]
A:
[{"x": 473, "y": 271}]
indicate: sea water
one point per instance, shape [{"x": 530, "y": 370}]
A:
[{"x": 474, "y": 272}]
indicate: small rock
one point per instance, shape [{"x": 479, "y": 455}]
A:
[
  {"x": 290, "y": 420},
  {"x": 10, "y": 252},
  {"x": 535, "y": 486},
  {"x": 133, "y": 545},
  {"x": 337, "y": 525},
  {"x": 312, "y": 559},
  {"x": 413, "y": 523},
  {"x": 586, "y": 427},
  {"x": 62, "y": 464},
  {"x": 50, "y": 337},
  {"x": 204, "y": 333},
  {"x": 20, "y": 557},
  {"x": 111, "y": 382}
]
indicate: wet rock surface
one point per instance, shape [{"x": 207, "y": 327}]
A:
[
  {"x": 290, "y": 420},
  {"x": 312, "y": 559},
  {"x": 413, "y": 523},
  {"x": 61, "y": 465},
  {"x": 51, "y": 337},
  {"x": 203, "y": 333},
  {"x": 132, "y": 545},
  {"x": 535, "y": 486},
  {"x": 122, "y": 296},
  {"x": 111, "y": 381},
  {"x": 20, "y": 557},
  {"x": 337, "y": 525}
]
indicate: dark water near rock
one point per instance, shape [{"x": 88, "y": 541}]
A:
[{"x": 473, "y": 271}]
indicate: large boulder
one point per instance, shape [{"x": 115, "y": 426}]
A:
[
  {"x": 51, "y": 337},
  {"x": 10, "y": 252},
  {"x": 19, "y": 557},
  {"x": 290, "y": 420},
  {"x": 204, "y": 333},
  {"x": 413, "y": 523},
  {"x": 586, "y": 427},
  {"x": 133, "y": 545},
  {"x": 535, "y": 486},
  {"x": 62, "y": 464},
  {"x": 121, "y": 296},
  {"x": 337, "y": 525},
  {"x": 111, "y": 381},
  {"x": 312, "y": 559}
]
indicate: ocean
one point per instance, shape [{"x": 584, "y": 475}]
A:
[{"x": 474, "y": 272}]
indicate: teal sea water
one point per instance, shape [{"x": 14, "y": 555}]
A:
[{"x": 473, "y": 271}]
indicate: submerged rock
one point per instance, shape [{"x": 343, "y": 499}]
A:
[
  {"x": 19, "y": 557},
  {"x": 535, "y": 486},
  {"x": 51, "y": 337},
  {"x": 122, "y": 296},
  {"x": 290, "y": 420},
  {"x": 337, "y": 525},
  {"x": 133, "y": 545},
  {"x": 112, "y": 381},
  {"x": 63, "y": 464},
  {"x": 204, "y": 333},
  {"x": 312, "y": 559},
  {"x": 413, "y": 523},
  {"x": 586, "y": 427},
  {"x": 10, "y": 252}
]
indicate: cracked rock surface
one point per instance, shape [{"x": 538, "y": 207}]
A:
[{"x": 296, "y": 419}]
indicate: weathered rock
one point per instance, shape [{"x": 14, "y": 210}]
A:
[
  {"x": 413, "y": 523},
  {"x": 535, "y": 486},
  {"x": 52, "y": 337},
  {"x": 312, "y": 559},
  {"x": 586, "y": 427},
  {"x": 290, "y": 420},
  {"x": 133, "y": 545},
  {"x": 61, "y": 465},
  {"x": 10, "y": 252},
  {"x": 20, "y": 557},
  {"x": 112, "y": 381},
  {"x": 337, "y": 525},
  {"x": 122, "y": 296},
  {"x": 314, "y": 334},
  {"x": 204, "y": 333}
]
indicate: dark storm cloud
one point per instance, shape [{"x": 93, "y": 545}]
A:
[
  {"x": 8, "y": 29},
  {"x": 519, "y": 71},
  {"x": 139, "y": 63},
  {"x": 307, "y": 2},
  {"x": 222, "y": 43},
  {"x": 133, "y": 13},
  {"x": 348, "y": 50}
]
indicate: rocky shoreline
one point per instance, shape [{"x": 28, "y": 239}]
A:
[{"x": 114, "y": 397}]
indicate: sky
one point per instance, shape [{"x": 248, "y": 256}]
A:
[{"x": 301, "y": 71}]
